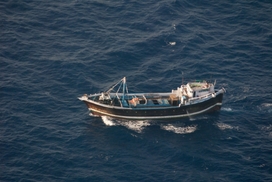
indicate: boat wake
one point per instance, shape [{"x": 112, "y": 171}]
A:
[
  {"x": 195, "y": 118},
  {"x": 108, "y": 121},
  {"x": 137, "y": 126},
  {"x": 91, "y": 114},
  {"x": 223, "y": 126},
  {"x": 228, "y": 109},
  {"x": 178, "y": 129}
]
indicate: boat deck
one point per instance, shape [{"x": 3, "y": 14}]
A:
[{"x": 148, "y": 100}]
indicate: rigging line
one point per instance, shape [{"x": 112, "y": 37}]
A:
[
  {"x": 119, "y": 87},
  {"x": 114, "y": 86}
]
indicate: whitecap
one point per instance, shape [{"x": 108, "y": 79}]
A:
[
  {"x": 172, "y": 43},
  {"x": 179, "y": 130},
  {"x": 267, "y": 104},
  {"x": 266, "y": 128},
  {"x": 265, "y": 107}
]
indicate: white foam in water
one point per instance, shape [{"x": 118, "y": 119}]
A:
[
  {"x": 91, "y": 114},
  {"x": 267, "y": 104},
  {"x": 267, "y": 129},
  {"x": 268, "y": 107},
  {"x": 137, "y": 126},
  {"x": 194, "y": 118},
  {"x": 179, "y": 130},
  {"x": 223, "y": 126},
  {"x": 108, "y": 121},
  {"x": 226, "y": 109}
]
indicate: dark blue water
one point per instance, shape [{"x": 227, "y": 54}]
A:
[{"x": 51, "y": 52}]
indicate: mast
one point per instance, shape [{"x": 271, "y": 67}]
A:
[{"x": 124, "y": 89}]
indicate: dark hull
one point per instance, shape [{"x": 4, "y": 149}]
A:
[{"x": 213, "y": 104}]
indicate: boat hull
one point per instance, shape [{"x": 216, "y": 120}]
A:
[{"x": 155, "y": 113}]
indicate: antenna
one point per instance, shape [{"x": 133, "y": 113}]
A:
[{"x": 182, "y": 77}]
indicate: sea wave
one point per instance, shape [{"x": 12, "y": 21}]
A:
[
  {"x": 267, "y": 130},
  {"x": 265, "y": 107}
]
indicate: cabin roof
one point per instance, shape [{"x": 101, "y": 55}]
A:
[{"x": 199, "y": 85}]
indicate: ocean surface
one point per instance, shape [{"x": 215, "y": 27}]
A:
[{"x": 52, "y": 52}]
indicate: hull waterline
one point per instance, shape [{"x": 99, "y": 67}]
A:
[{"x": 208, "y": 106}]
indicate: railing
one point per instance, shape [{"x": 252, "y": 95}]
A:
[{"x": 195, "y": 99}]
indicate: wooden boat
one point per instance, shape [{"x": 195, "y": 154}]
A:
[{"x": 194, "y": 98}]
